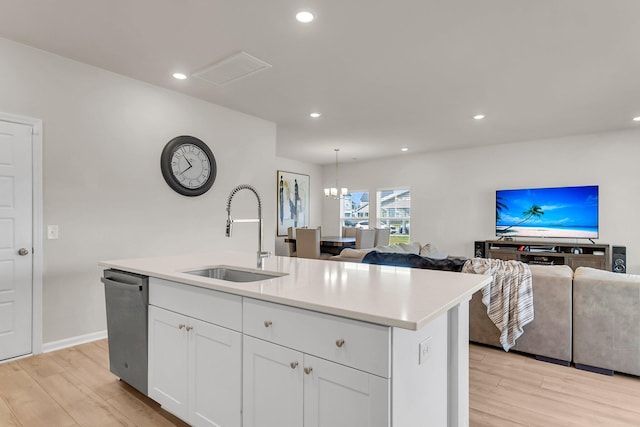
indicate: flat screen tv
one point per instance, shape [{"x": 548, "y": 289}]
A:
[{"x": 560, "y": 212}]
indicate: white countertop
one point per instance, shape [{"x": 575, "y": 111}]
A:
[{"x": 408, "y": 298}]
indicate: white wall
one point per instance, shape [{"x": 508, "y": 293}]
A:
[
  {"x": 315, "y": 199},
  {"x": 102, "y": 139},
  {"x": 103, "y": 134},
  {"x": 453, "y": 192}
]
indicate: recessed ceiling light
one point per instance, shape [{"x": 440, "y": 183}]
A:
[
  {"x": 305, "y": 16},
  {"x": 179, "y": 76},
  {"x": 479, "y": 116},
  {"x": 404, "y": 149},
  {"x": 636, "y": 119},
  {"x": 315, "y": 115}
]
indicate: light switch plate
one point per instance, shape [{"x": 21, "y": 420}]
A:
[
  {"x": 425, "y": 350},
  {"x": 52, "y": 232}
]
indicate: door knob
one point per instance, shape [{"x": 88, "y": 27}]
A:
[{"x": 23, "y": 252}]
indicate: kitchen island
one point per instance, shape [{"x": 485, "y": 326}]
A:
[{"x": 320, "y": 343}]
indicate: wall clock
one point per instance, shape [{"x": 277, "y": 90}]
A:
[{"x": 188, "y": 166}]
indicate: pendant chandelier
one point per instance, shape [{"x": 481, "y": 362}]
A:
[{"x": 336, "y": 192}]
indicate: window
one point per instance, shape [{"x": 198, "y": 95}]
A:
[
  {"x": 394, "y": 212},
  {"x": 354, "y": 209}
]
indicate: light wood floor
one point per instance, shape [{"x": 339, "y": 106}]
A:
[
  {"x": 73, "y": 387},
  {"x": 510, "y": 389}
]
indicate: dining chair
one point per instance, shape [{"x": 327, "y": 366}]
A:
[
  {"x": 308, "y": 244},
  {"x": 291, "y": 234},
  {"x": 365, "y": 238},
  {"x": 349, "y": 231},
  {"x": 382, "y": 236}
]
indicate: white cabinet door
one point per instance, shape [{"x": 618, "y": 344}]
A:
[
  {"x": 272, "y": 385},
  {"x": 168, "y": 360},
  {"x": 215, "y": 375},
  {"x": 338, "y": 396}
]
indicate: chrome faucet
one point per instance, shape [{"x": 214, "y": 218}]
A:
[{"x": 261, "y": 254}]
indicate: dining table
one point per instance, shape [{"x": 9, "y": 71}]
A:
[{"x": 331, "y": 244}]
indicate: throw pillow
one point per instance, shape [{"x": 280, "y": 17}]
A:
[
  {"x": 411, "y": 248},
  {"x": 430, "y": 251}
]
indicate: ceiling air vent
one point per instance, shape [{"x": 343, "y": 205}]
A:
[{"x": 232, "y": 68}]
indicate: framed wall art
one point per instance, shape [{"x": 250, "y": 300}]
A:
[{"x": 293, "y": 201}]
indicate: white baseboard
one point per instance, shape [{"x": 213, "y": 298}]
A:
[
  {"x": 13, "y": 359},
  {"x": 70, "y": 342}
]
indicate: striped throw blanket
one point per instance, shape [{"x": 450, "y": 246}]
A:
[{"x": 509, "y": 297}]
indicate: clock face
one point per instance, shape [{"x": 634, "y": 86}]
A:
[{"x": 188, "y": 165}]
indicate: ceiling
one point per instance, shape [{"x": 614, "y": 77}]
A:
[{"x": 384, "y": 74}]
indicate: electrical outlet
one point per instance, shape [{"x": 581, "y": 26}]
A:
[
  {"x": 52, "y": 232},
  {"x": 425, "y": 350}
]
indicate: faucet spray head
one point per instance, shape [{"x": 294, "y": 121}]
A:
[{"x": 229, "y": 226}]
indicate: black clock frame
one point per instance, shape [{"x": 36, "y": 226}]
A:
[{"x": 165, "y": 165}]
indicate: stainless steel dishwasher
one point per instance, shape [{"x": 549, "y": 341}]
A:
[{"x": 127, "y": 301}]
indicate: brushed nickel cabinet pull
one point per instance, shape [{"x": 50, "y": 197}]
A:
[
  {"x": 308, "y": 370},
  {"x": 180, "y": 325},
  {"x": 340, "y": 342},
  {"x": 293, "y": 365},
  {"x": 189, "y": 328},
  {"x": 267, "y": 323}
]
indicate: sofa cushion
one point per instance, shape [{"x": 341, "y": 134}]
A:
[
  {"x": 606, "y": 320},
  {"x": 398, "y": 247},
  {"x": 411, "y": 248},
  {"x": 550, "y": 333},
  {"x": 432, "y": 252},
  {"x": 428, "y": 250},
  {"x": 413, "y": 260},
  {"x": 354, "y": 253}
]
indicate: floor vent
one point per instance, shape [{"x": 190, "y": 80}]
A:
[{"x": 231, "y": 69}]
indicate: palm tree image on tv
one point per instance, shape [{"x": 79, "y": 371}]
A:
[
  {"x": 534, "y": 211},
  {"x": 560, "y": 212},
  {"x": 500, "y": 206}
]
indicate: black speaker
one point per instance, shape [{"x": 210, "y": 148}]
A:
[
  {"x": 478, "y": 249},
  {"x": 619, "y": 259}
]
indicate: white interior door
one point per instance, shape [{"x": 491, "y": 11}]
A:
[{"x": 16, "y": 239}]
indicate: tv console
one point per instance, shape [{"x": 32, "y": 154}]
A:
[{"x": 551, "y": 253}]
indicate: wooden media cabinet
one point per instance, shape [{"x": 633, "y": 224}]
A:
[{"x": 551, "y": 253}]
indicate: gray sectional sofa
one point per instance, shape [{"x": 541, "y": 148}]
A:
[
  {"x": 606, "y": 321},
  {"x": 590, "y": 317}
]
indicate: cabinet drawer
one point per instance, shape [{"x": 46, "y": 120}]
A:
[
  {"x": 504, "y": 255},
  {"x": 211, "y": 306},
  {"x": 592, "y": 261},
  {"x": 364, "y": 346}
]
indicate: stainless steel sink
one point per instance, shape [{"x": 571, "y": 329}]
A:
[{"x": 235, "y": 274}]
